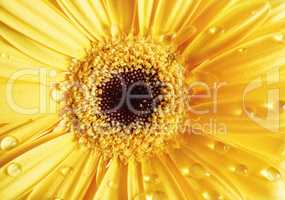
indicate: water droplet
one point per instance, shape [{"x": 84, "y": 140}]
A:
[
  {"x": 4, "y": 56},
  {"x": 213, "y": 30},
  {"x": 52, "y": 73},
  {"x": 157, "y": 195},
  {"x": 198, "y": 171},
  {"x": 237, "y": 112},
  {"x": 57, "y": 95},
  {"x": 241, "y": 170},
  {"x": 65, "y": 170},
  {"x": 8, "y": 142},
  {"x": 112, "y": 184},
  {"x": 241, "y": 50},
  {"x": 254, "y": 12},
  {"x": 151, "y": 178},
  {"x": 14, "y": 169},
  {"x": 185, "y": 171},
  {"x": 221, "y": 147},
  {"x": 168, "y": 37},
  {"x": 212, "y": 195},
  {"x": 271, "y": 174},
  {"x": 280, "y": 37},
  {"x": 270, "y": 106}
]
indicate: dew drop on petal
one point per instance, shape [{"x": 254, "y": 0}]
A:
[
  {"x": 253, "y": 12},
  {"x": 237, "y": 112},
  {"x": 57, "y": 95},
  {"x": 198, "y": 171},
  {"x": 241, "y": 170},
  {"x": 156, "y": 195},
  {"x": 8, "y": 142},
  {"x": 213, "y": 195},
  {"x": 151, "y": 178},
  {"x": 270, "y": 174},
  {"x": 111, "y": 184},
  {"x": 241, "y": 50},
  {"x": 52, "y": 73},
  {"x": 65, "y": 170},
  {"x": 185, "y": 171},
  {"x": 280, "y": 37},
  {"x": 168, "y": 37},
  {"x": 14, "y": 169},
  {"x": 143, "y": 196},
  {"x": 4, "y": 56},
  {"x": 213, "y": 30},
  {"x": 221, "y": 147}
]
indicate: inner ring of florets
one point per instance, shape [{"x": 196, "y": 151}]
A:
[{"x": 128, "y": 102}]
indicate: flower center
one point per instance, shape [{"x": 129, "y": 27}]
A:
[
  {"x": 125, "y": 98},
  {"x": 130, "y": 96}
]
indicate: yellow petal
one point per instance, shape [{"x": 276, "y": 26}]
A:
[
  {"x": 203, "y": 181},
  {"x": 70, "y": 179},
  {"x": 50, "y": 185},
  {"x": 13, "y": 60},
  {"x": 68, "y": 188},
  {"x": 170, "y": 183},
  {"x": 26, "y": 132},
  {"x": 38, "y": 21},
  {"x": 34, "y": 50},
  {"x": 25, "y": 171},
  {"x": 175, "y": 185},
  {"x": 170, "y": 16},
  {"x": 12, "y": 108},
  {"x": 114, "y": 183},
  {"x": 224, "y": 32},
  {"x": 277, "y": 13},
  {"x": 207, "y": 11},
  {"x": 145, "y": 9},
  {"x": 274, "y": 24},
  {"x": 245, "y": 62},
  {"x": 100, "y": 170},
  {"x": 13, "y": 150},
  {"x": 203, "y": 14},
  {"x": 86, "y": 176},
  {"x": 17, "y": 104},
  {"x": 85, "y": 17},
  {"x": 253, "y": 177},
  {"x": 121, "y": 14},
  {"x": 135, "y": 179}
]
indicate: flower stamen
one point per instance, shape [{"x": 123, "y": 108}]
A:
[{"x": 125, "y": 98}]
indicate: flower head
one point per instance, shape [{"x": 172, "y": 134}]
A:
[{"x": 142, "y": 99}]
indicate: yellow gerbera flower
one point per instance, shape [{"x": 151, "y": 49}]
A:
[{"x": 142, "y": 99}]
